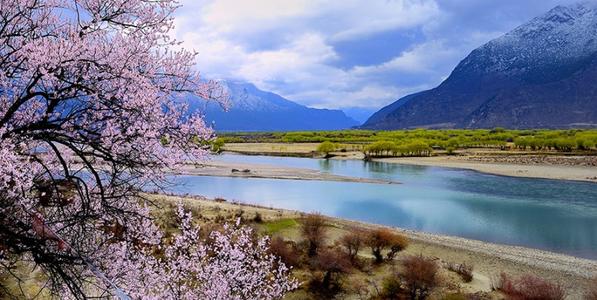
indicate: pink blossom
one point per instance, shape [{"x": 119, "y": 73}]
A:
[{"x": 89, "y": 116}]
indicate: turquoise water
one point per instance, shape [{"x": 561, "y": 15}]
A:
[{"x": 560, "y": 216}]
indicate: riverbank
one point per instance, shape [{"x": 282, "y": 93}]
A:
[
  {"x": 505, "y": 163},
  {"x": 537, "y": 170},
  {"x": 244, "y": 170},
  {"x": 488, "y": 259}
]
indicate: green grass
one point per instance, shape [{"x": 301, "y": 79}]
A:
[{"x": 279, "y": 225}]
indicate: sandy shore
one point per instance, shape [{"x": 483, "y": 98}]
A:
[
  {"x": 489, "y": 259},
  {"x": 563, "y": 172},
  {"x": 491, "y": 161},
  {"x": 243, "y": 170}
]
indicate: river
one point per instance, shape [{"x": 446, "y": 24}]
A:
[{"x": 555, "y": 215}]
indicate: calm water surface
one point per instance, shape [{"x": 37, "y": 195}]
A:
[{"x": 554, "y": 215}]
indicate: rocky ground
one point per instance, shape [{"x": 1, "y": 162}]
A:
[{"x": 554, "y": 160}]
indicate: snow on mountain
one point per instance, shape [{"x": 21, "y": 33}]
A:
[
  {"x": 252, "y": 109},
  {"x": 540, "y": 75},
  {"x": 564, "y": 33}
]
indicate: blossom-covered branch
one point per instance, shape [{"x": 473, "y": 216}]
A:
[{"x": 90, "y": 114}]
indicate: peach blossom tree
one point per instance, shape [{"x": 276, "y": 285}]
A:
[{"x": 90, "y": 115}]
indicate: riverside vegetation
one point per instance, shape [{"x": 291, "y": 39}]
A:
[
  {"x": 333, "y": 260},
  {"x": 422, "y": 142}
]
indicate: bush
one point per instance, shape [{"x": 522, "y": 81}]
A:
[
  {"x": 392, "y": 288},
  {"x": 585, "y": 144},
  {"x": 360, "y": 288},
  {"x": 465, "y": 271},
  {"x": 333, "y": 264},
  {"x": 450, "y": 150},
  {"x": 419, "y": 276},
  {"x": 381, "y": 148},
  {"x": 353, "y": 242},
  {"x": 415, "y": 148},
  {"x": 313, "y": 231},
  {"x": 287, "y": 252},
  {"x": 326, "y": 147},
  {"x": 380, "y": 239},
  {"x": 529, "y": 287},
  {"x": 565, "y": 144},
  {"x": 217, "y": 145},
  {"x": 258, "y": 218},
  {"x": 398, "y": 244}
]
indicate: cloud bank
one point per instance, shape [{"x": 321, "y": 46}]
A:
[{"x": 341, "y": 54}]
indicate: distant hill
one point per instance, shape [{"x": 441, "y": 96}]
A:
[
  {"x": 360, "y": 114},
  {"x": 252, "y": 109},
  {"x": 543, "y": 74}
]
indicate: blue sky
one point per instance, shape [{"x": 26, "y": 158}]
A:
[{"x": 344, "y": 53}]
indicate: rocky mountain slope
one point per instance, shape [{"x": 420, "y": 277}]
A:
[
  {"x": 543, "y": 74},
  {"x": 252, "y": 109}
]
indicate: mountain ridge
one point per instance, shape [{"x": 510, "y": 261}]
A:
[
  {"x": 252, "y": 109},
  {"x": 535, "y": 76}
]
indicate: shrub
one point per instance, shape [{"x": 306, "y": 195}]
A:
[
  {"x": 361, "y": 289},
  {"x": 258, "y": 218},
  {"x": 565, "y": 145},
  {"x": 285, "y": 251},
  {"x": 415, "y": 148},
  {"x": 585, "y": 144},
  {"x": 313, "y": 231},
  {"x": 450, "y": 150},
  {"x": 380, "y": 239},
  {"x": 326, "y": 147},
  {"x": 398, "y": 244},
  {"x": 419, "y": 276},
  {"x": 465, "y": 271},
  {"x": 381, "y": 148},
  {"x": 217, "y": 145},
  {"x": 353, "y": 242},
  {"x": 333, "y": 264},
  {"x": 391, "y": 288},
  {"x": 529, "y": 287}
]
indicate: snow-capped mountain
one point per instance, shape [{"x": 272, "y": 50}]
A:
[
  {"x": 542, "y": 74},
  {"x": 252, "y": 109}
]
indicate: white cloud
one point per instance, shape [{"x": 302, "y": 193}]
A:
[
  {"x": 288, "y": 46},
  {"x": 420, "y": 59},
  {"x": 345, "y": 19},
  {"x": 300, "y": 65},
  {"x": 376, "y": 16},
  {"x": 233, "y": 15},
  {"x": 306, "y": 53}
]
